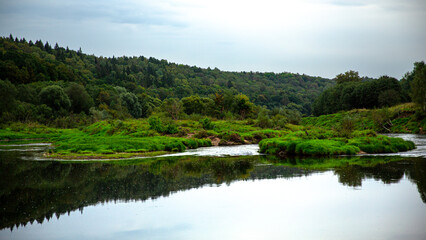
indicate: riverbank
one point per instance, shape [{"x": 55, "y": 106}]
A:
[
  {"x": 309, "y": 146},
  {"x": 117, "y": 139},
  {"x": 403, "y": 118}
]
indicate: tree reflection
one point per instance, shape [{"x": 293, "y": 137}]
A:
[{"x": 37, "y": 191}]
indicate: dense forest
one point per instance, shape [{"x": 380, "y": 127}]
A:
[
  {"x": 41, "y": 82},
  {"x": 354, "y": 92},
  {"x": 67, "y": 88}
]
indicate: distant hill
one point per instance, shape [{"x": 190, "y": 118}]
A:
[{"x": 24, "y": 63}]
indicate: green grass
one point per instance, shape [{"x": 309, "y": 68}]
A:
[
  {"x": 397, "y": 119},
  {"x": 320, "y": 142},
  {"x": 381, "y": 144},
  {"x": 127, "y": 138},
  {"x": 85, "y": 143},
  {"x": 308, "y": 147}
]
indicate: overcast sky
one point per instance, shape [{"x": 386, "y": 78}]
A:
[{"x": 315, "y": 37}]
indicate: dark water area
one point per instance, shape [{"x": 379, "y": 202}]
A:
[{"x": 205, "y": 197}]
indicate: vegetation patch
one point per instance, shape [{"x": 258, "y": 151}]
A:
[
  {"x": 381, "y": 144},
  {"x": 401, "y": 118},
  {"x": 326, "y": 143},
  {"x": 309, "y": 147}
]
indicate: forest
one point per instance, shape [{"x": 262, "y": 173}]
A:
[
  {"x": 46, "y": 84},
  {"x": 354, "y": 92},
  {"x": 67, "y": 88}
]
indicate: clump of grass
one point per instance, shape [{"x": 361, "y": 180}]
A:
[
  {"x": 299, "y": 144},
  {"x": 309, "y": 147},
  {"x": 230, "y": 137},
  {"x": 207, "y": 123},
  {"x": 381, "y": 144},
  {"x": 401, "y": 118},
  {"x": 195, "y": 143}
]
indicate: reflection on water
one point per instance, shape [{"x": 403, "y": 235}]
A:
[{"x": 192, "y": 197}]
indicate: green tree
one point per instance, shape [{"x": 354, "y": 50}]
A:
[
  {"x": 418, "y": 85},
  {"x": 349, "y": 76},
  {"x": 8, "y": 93},
  {"x": 243, "y": 106},
  {"x": 173, "y": 107},
  {"x": 132, "y": 104},
  {"x": 56, "y": 98},
  {"x": 80, "y": 99},
  {"x": 389, "y": 98},
  {"x": 192, "y": 104}
]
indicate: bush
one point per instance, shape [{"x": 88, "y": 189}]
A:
[
  {"x": 171, "y": 128},
  {"x": 264, "y": 121},
  {"x": 310, "y": 147},
  {"x": 56, "y": 98},
  {"x": 175, "y": 147},
  {"x": 155, "y": 124},
  {"x": 206, "y": 123},
  {"x": 381, "y": 144},
  {"x": 347, "y": 126}
]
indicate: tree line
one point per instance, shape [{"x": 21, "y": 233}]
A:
[
  {"x": 354, "y": 92},
  {"x": 57, "y": 85},
  {"x": 34, "y": 65}
]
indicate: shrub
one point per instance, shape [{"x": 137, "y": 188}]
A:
[
  {"x": 171, "y": 128},
  {"x": 155, "y": 124},
  {"x": 207, "y": 123},
  {"x": 175, "y": 147},
  {"x": 306, "y": 147}
]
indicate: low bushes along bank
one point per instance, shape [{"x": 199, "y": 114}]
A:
[{"x": 335, "y": 146}]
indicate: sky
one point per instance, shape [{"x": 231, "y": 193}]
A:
[{"x": 313, "y": 37}]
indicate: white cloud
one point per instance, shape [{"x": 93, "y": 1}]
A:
[{"x": 317, "y": 37}]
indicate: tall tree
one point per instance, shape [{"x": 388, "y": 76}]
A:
[
  {"x": 80, "y": 99},
  {"x": 7, "y": 96},
  {"x": 418, "y": 85},
  {"x": 56, "y": 98},
  {"x": 349, "y": 76}
]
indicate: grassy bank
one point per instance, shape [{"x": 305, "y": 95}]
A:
[
  {"x": 402, "y": 118},
  {"x": 115, "y": 139},
  {"x": 346, "y": 133},
  {"x": 318, "y": 142}
]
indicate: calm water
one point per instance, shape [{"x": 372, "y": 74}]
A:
[{"x": 202, "y": 197}]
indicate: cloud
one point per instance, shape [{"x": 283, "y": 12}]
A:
[
  {"x": 317, "y": 37},
  {"x": 125, "y": 12}
]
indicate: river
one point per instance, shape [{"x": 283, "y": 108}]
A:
[{"x": 212, "y": 193}]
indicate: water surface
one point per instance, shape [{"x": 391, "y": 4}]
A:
[{"x": 204, "y": 197}]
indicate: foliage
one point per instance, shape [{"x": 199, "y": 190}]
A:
[
  {"x": 207, "y": 123},
  {"x": 317, "y": 147},
  {"x": 55, "y": 97},
  {"x": 8, "y": 94},
  {"x": 401, "y": 118},
  {"x": 243, "y": 106},
  {"x": 381, "y": 144},
  {"x": 349, "y": 76},
  {"x": 347, "y": 126},
  {"x": 385, "y": 91},
  {"x": 156, "y": 124},
  {"x": 328, "y": 143},
  {"x": 209, "y": 92},
  {"x": 81, "y": 101},
  {"x": 418, "y": 85},
  {"x": 173, "y": 107},
  {"x": 132, "y": 104}
]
